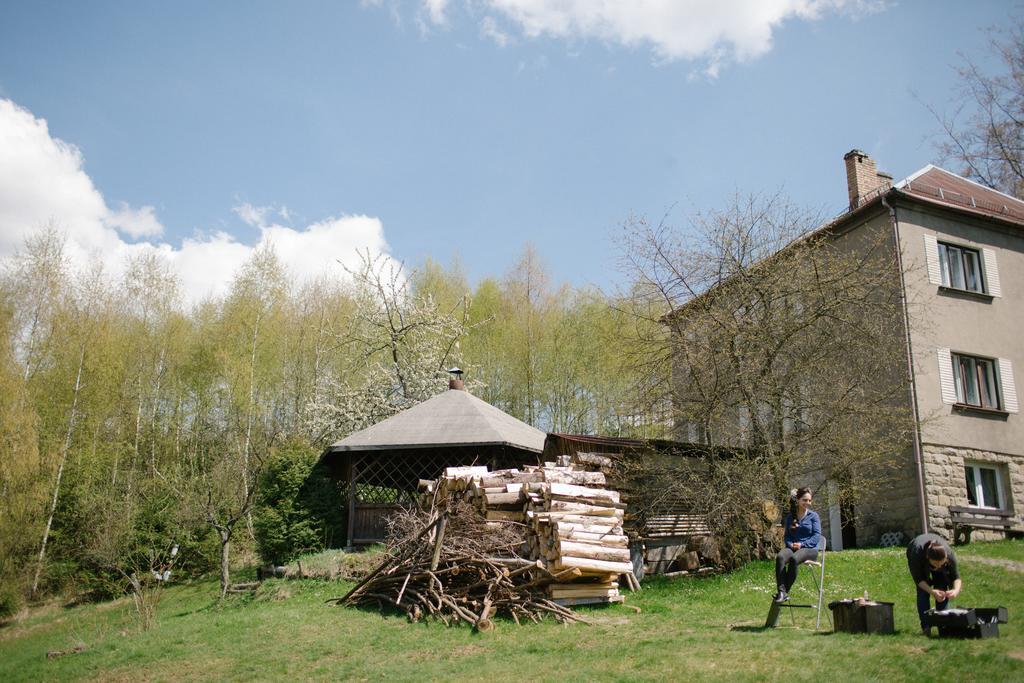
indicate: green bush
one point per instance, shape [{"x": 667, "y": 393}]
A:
[
  {"x": 11, "y": 600},
  {"x": 98, "y": 536},
  {"x": 299, "y": 509}
]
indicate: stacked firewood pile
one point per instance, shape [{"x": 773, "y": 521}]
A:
[
  {"x": 580, "y": 527},
  {"x": 572, "y": 523},
  {"x": 521, "y": 543}
]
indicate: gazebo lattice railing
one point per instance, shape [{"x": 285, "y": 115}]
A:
[{"x": 382, "y": 482}]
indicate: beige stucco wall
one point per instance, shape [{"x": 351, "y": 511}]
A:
[
  {"x": 893, "y": 504},
  {"x": 984, "y": 327},
  {"x": 993, "y": 328}
]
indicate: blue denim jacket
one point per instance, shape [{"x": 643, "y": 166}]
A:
[{"x": 807, "y": 532}]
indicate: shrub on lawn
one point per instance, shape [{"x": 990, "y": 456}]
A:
[
  {"x": 299, "y": 509},
  {"x": 11, "y": 600}
]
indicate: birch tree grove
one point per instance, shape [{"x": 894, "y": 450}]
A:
[
  {"x": 31, "y": 286},
  {"x": 131, "y": 423}
]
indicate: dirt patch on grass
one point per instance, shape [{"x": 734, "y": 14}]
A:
[
  {"x": 467, "y": 651},
  {"x": 1012, "y": 565},
  {"x": 274, "y": 593},
  {"x": 331, "y": 565},
  {"x": 106, "y": 606},
  {"x": 18, "y": 630},
  {"x": 1017, "y": 654},
  {"x": 205, "y": 668},
  {"x": 601, "y": 620},
  {"x": 50, "y": 615}
]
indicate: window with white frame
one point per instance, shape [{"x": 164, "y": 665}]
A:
[
  {"x": 960, "y": 267},
  {"x": 976, "y": 381},
  {"x": 696, "y": 433},
  {"x": 743, "y": 415},
  {"x": 984, "y": 485}
]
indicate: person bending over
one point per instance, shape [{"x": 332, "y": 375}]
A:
[
  {"x": 933, "y": 567},
  {"x": 803, "y": 532}
]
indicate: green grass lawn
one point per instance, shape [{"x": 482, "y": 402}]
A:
[{"x": 685, "y": 629}]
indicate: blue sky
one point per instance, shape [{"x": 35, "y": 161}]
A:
[{"x": 450, "y": 126}]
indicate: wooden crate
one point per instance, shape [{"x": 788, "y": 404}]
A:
[{"x": 854, "y": 616}]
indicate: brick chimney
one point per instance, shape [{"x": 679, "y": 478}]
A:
[{"x": 862, "y": 178}]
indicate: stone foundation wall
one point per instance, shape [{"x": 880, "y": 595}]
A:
[
  {"x": 894, "y": 506},
  {"x": 945, "y": 484}
]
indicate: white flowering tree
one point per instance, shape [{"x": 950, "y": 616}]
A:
[{"x": 401, "y": 341}]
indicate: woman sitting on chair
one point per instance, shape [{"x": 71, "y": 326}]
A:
[{"x": 803, "y": 531}]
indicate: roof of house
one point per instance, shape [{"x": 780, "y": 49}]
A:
[
  {"x": 939, "y": 187},
  {"x": 930, "y": 185},
  {"x": 452, "y": 418}
]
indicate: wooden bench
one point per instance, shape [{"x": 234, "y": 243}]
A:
[
  {"x": 661, "y": 538},
  {"x": 673, "y": 528},
  {"x": 966, "y": 520}
]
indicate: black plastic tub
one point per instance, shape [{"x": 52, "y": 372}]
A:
[{"x": 976, "y": 622}]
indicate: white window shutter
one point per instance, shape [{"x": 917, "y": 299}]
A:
[
  {"x": 1009, "y": 388},
  {"x": 931, "y": 252},
  {"x": 991, "y": 273},
  {"x": 946, "y": 376}
]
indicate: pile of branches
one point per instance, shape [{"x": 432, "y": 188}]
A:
[{"x": 451, "y": 564}]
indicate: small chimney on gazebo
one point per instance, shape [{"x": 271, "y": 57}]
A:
[{"x": 456, "y": 379}]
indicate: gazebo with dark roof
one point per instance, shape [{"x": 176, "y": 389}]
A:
[{"x": 382, "y": 465}]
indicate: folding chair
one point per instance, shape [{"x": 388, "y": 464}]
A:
[{"x": 819, "y": 582}]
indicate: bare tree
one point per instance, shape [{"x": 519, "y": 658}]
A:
[
  {"x": 227, "y": 501},
  {"x": 767, "y": 336},
  {"x": 985, "y": 131},
  {"x": 251, "y": 309},
  {"x": 219, "y": 496}
]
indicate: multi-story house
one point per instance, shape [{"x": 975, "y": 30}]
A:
[{"x": 959, "y": 247}]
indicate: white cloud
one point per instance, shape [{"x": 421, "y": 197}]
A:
[
  {"x": 255, "y": 216},
  {"x": 716, "y": 32},
  {"x": 489, "y": 29},
  {"x": 135, "y": 222},
  {"x": 42, "y": 182},
  {"x": 435, "y": 10},
  {"x": 320, "y": 247}
]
